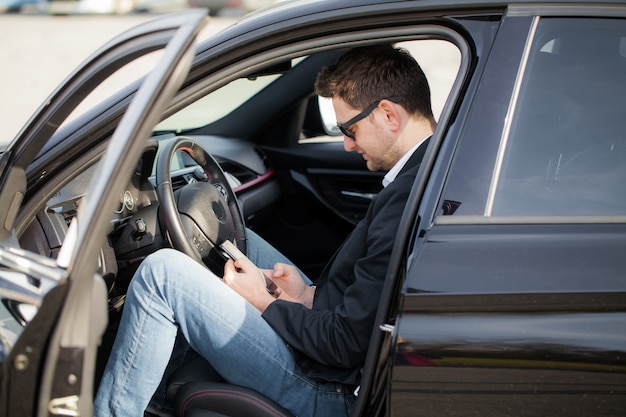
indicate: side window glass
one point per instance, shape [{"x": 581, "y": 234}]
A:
[
  {"x": 565, "y": 154},
  {"x": 562, "y": 151}
]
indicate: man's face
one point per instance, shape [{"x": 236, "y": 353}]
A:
[{"x": 372, "y": 138}]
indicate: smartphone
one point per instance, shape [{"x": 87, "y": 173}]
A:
[{"x": 231, "y": 250}]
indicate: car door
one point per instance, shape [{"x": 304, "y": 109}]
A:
[
  {"x": 514, "y": 297},
  {"x": 49, "y": 368}
]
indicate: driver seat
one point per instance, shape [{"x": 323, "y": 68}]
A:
[
  {"x": 220, "y": 399},
  {"x": 199, "y": 391}
]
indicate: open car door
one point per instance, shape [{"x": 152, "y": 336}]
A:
[{"x": 48, "y": 369}]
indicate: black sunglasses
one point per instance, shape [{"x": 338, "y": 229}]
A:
[{"x": 344, "y": 127}]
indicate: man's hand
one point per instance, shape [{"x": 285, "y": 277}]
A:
[
  {"x": 248, "y": 281},
  {"x": 290, "y": 285}
]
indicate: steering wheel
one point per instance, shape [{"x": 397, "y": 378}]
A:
[{"x": 201, "y": 215}]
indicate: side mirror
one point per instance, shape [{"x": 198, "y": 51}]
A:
[{"x": 327, "y": 113}]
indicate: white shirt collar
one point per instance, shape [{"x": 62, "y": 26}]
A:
[{"x": 395, "y": 170}]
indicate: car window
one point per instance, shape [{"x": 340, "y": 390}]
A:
[
  {"x": 563, "y": 152},
  {"x": 216, "y": 105},
  {"x": 117, "y": 81},
  {"x": 219, "y": 103}
]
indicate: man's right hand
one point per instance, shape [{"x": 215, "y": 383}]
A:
[{"x": 290, "y": 285}]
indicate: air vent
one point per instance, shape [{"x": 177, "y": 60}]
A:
[
  {"x": 178, "y": 182},
  {"x": 244, "y": 175}
]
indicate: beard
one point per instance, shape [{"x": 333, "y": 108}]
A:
[{"x": 383, "y": 161}]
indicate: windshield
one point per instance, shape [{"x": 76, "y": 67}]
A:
[
  {"x": 215, "y": 105},
  {"x": 218, "y": 103}
]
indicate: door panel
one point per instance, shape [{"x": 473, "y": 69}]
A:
[
  {"x": 535, "y": 364},
  {"x": 502, "y": 364},
  {"x": 339, "y": 180},
  {"x": 326, "y": 191},
  {"x": 525, "y": 321}
]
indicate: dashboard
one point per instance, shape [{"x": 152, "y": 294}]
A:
[{"x": 135, "y": 225}]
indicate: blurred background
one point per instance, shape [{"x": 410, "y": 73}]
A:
[
  {"x": 42, "y": 42},
  {"x": 216, "y": 7}
]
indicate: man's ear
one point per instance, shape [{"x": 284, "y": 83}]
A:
[{"x": 391, "y": 115}]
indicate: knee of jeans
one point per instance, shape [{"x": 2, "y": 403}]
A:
[
  {"x": 166, "y": 259},
  {"x": 156, "y": 266}
]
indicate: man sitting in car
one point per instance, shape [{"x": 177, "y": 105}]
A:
[{"x": 302, "y": 346}]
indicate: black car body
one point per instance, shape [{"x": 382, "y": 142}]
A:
[{"x": 506, "y": 291}]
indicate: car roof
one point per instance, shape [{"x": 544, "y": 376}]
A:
[
  {"x": 333, "y": 5},
  {"x": 292, "y": 10}
]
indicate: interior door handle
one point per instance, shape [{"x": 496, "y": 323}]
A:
[
  {"x": 366, "y": 196},
  {"x": 387, "y": 328}
]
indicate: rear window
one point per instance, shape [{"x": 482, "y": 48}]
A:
[{"x": 563, "y": 148}]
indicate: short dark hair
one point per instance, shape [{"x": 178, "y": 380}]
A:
[{"x": 366, "y": 74}]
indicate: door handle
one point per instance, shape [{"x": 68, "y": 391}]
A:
[
  {"x": 365, "y": 196},
  {"x": 387, "y": 328}
]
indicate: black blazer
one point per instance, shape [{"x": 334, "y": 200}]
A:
[{"x": 330, "y": 340}]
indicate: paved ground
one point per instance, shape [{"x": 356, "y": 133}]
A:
[{"x": 38, "y": 51}]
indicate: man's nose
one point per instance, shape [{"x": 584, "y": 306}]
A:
[{"x": 349, "y": 144}]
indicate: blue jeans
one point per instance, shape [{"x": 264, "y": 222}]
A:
[{"x": 170, "y": 293}]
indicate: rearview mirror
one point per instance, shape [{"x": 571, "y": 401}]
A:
[
  {"x": 280, "y": 68},
  {"x": 327, "y": 113}
]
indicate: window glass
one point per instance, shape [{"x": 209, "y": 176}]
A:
[
  {"x": 564, "y": 151},
  {"x": 220, "y": 102},
  {"x": 215, "y": 105}
]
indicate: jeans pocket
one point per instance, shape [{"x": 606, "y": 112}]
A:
[{"x": 349, "y": 401}]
